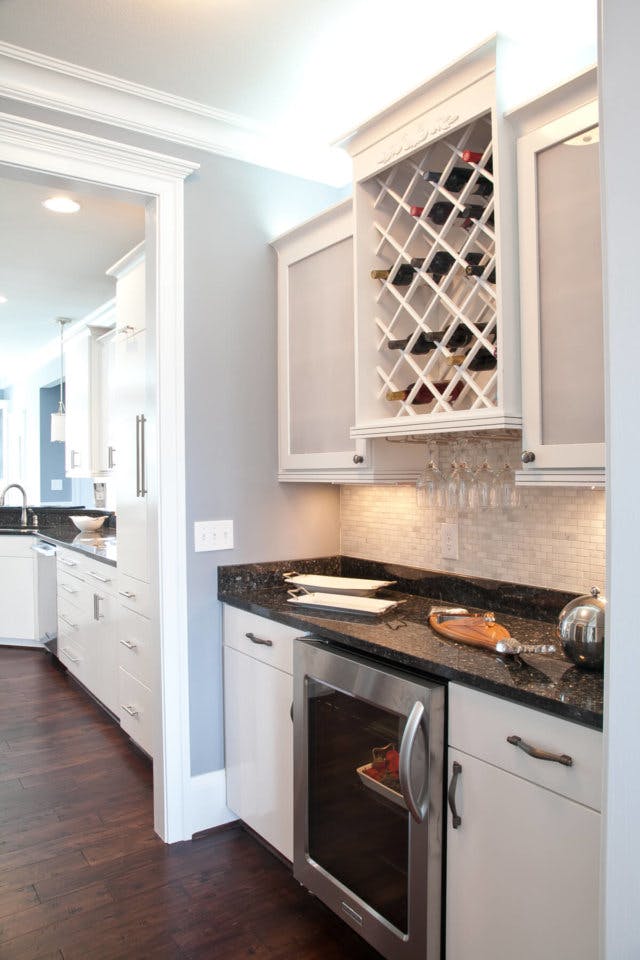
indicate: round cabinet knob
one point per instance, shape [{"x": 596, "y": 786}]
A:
[
  {"x": 358, "y": 458},
  {"x": 527, "y": 456}
]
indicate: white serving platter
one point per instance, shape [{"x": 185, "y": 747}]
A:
[
  {"x": 343, "y": 603},
  {"x": 378, "y": 787},
  {"x": 349, "y": 585}
]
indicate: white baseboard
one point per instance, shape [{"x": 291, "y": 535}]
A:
[
  {"x": 206, "y": 805},
  {"x": 17, "y": 642}
]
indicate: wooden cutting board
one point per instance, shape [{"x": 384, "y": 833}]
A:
[{"x": 477, "y": 629}]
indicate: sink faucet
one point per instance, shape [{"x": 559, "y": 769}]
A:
[{"x": 23, "y": 514}]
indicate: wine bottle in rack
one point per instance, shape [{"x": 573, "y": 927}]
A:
[
  {"x": 442, "y": 261},
  {"x": 472, "y": 156},
  {"x": 458, "y": 178},
  {"x": 477, "y": 270},
  {"x": 426, "y": 342},
  {"x": 483, "y": 360},
  {"x": 424, "y": 395},
  {"x": 401, "y": 278}
]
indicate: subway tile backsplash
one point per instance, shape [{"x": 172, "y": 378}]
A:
[{"x": 556, "y": 538}]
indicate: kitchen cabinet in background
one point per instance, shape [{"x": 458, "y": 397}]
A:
[
  {"x": 258, "y": 698},
  {"x": 316, "y": 362},
  {"x": 561, "y": 287},
  {"x": 27, "y": 612},
  {"x": 523, "y": 862}
]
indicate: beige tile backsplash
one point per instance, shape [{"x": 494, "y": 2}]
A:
[{"x": 556, "y": 538}]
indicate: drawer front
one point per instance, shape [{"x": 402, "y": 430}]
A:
[
  {"x": 72, "y": 617},
  {"x": 262, "y": 639},
  {"x": 134, "y": 594},
  {"x": 135, "y": 710},
  {"x": 70, "y": 588},
  {"x": 134, "y": 645},
  {"x": 18, "y": 546},
  {"x": 70, "y": 562},
  {"x": 100, "y": 576},
  {"x": 71, "y": 655},
  {"x": 479, "y": 725}
]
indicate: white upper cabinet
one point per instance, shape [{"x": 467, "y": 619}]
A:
[
  {"x": 316, "y": 363},
  {"x": 437, "y": 333},
  {"x": 561, "y": 287}
]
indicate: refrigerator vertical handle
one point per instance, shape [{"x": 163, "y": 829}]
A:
[{"x": 415, "y": 719}]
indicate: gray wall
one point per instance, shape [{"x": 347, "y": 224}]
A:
[
  {"x": 51, "y": 454},
  {"x": 232, "y": 209}
]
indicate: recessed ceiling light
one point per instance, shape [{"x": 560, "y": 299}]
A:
[
  {"x": 3, "y": 299},
  {"x": 61, "y": 205}
]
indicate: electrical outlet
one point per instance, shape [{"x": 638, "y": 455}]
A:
[
  {"x": 56, "y": 484},
  {"x": 213, "y": 535},
  {"x": 449, "y": 541}
]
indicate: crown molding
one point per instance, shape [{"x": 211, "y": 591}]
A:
[{"x": 52, "y": 84}]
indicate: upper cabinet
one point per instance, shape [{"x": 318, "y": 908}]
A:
[
  {"x": 316, "y": 363},
  {"x": 437, "y": 333},
  {"x": 561, "y": 286}
]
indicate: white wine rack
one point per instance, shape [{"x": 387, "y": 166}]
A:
[{"x": 410, "y": 217}]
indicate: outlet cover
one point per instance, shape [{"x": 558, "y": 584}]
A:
[
  {"x": 449, "y": 541},
  {"x": 212, "y": 535},
  {"x": 56, "y": 484}
]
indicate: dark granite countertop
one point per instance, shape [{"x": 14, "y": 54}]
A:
[
  {"x": 55, "y": 527},
  {"x": 100, "y": 548},
  {"x": 549, "y": 683}
]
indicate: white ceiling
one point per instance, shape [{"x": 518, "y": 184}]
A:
[{"x": 54, "y": 264}]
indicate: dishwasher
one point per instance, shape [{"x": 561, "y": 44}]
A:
[
  {"x": 45, "y": 581},
  {"x": 368, "y": 796}
]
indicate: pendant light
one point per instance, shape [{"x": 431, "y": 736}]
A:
[{"x": 57, "y": 419}]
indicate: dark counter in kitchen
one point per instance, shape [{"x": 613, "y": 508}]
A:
[
  {"x": 54, "y": 526},
  {"x": 403, "y": 638}
]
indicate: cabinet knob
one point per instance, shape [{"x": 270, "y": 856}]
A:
[
  {"x": 527, "y": 456},
  {"x": 358, "y": 458}
]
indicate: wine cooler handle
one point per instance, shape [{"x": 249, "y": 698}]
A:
[
  {"x": 456, "y": 819},
  {"x": 415, "y": 719}
]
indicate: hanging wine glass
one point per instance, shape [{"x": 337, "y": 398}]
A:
[
  {"x": 464, "y": 478},
  {"x": 483, "y": 481},
  {"x": 429, "y": 483},
  {"x": 451, "y": 482},
  {"x": 506, "y": 494}
]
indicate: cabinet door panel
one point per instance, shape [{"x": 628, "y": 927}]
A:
[
  {"x": 17, "y": 601},
  {"x": 259, "y": 748},
  {"x": 522, "y": 870}
]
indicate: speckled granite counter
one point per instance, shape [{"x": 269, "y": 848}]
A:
[
  {"x": 55, "y": 527},
  {"x": 549, "y": 683},
  {"x": 104, "y": 549}
]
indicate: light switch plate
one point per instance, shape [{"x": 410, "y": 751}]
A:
[
  {"x": 449, "y": 541},
  {"x": 56, "y": 484},
  {"x": 213, "y": 535}
]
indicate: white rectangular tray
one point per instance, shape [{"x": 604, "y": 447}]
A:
[
  {"x": 343, "y": 603},
  {"x": 349, "y": 585},
  {"x": 380, "y": 788}
]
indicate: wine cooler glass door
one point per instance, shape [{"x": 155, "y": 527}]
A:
[{"x": 368, "y": 773}]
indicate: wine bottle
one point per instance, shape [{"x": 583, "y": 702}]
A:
[
  {"x": 401, "y": 278},
  {"x": 483, "y": 360},
  {"x": 426, "y": 342},
  {"x": 477, "y": 269},
  {"x": 458, "y": 178},
  {"x": 472, "y": 156},
  {"x": 424, "y": 394},
  {"x": 442, "y": 261}
]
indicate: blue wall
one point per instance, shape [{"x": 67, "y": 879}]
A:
[{"x": 51, "y": 454}]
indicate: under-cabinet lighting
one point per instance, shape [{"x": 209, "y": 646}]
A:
[
  {"x": 585, "y": 139},
  {"x": 3, "y": 299},
  {"x": 61, "y": 205}
]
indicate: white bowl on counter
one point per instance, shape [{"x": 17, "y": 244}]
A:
[{"x": 87, "y": 524}]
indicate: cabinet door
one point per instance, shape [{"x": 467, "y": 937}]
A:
[
  {"x": 316, "y": 364},
  {"x": 259, "y": 747},
  {"x": 77, "y": 405},
  {"x": 17, "y": 598},
  {"x": 522, "y": 870},
  {"x": 132, "y": 473},
  {"x": 104, "y": 427},
  {"x": 561, "y": 294},
  {"x": 102, "y": 652}
]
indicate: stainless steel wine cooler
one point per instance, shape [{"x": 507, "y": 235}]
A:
[{"x": 368, "y": 768}]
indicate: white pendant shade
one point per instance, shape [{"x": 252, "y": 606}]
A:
[{"x": 57, "y": 427}]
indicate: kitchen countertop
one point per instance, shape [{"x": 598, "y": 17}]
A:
[
  {"x": 100, "y": 548},
  {"x": 56, "y": 528},
  {"x": 403, "y": 637}
]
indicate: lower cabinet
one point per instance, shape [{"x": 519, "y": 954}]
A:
[
  {"x": 523, "y": 860},
  {"x": 17, "y": 589},
  {"x": 258, "y": 685}
]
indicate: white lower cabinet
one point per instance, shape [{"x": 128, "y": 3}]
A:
[
  {"x": 135, "y": 710},
  {"x": 523, "y": 862},
  {"x": 258, "y": 695},
  {"x": 18, "y": 600}
]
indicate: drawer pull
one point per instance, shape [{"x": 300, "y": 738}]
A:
[
  {"x": 68, "y": 589},
  {"x": 68, "y": 563},
  {"x": 562, "y": 758},
  {"x": 98, "y": 577},
  {"x": 130, "y": 710},
  {"x": 69, "y": 623},
  {"x": 258, "y": 640},
  {"x": 127, "y": 594},
  {"x": 129, "y": 645},
  {"x": 456, "y": 819},
  {"x": 67, "y": 654}
]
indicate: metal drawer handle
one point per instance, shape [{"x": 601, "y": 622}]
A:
[
  {"x": 67, "y": 589},
  {"x": 65, "y": 650},
  {"x": 258, "y": 640},
  {"x": 418, "y": 810},
  {"x": 130, "y": 710},
  {"x": 68, "y": 563},
  {"x": 562, "y": 758},
  {"x": 98, "y": 577},
  {"x": 127, "y": 594},
  {"x": 68, "y": 622},
  {"x": 129, "y": 645},
  {"x": 110, "y": 461},
  {"x": 456, "y": 819}
]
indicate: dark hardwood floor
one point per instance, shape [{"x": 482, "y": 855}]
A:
[{"x": 84, "y": 877}]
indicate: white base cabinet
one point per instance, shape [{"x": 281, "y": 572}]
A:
[
  {"x": 27, "y": 593},
  {"x": 523, "y": 862},
  {"x": 258, "y": 696}
]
